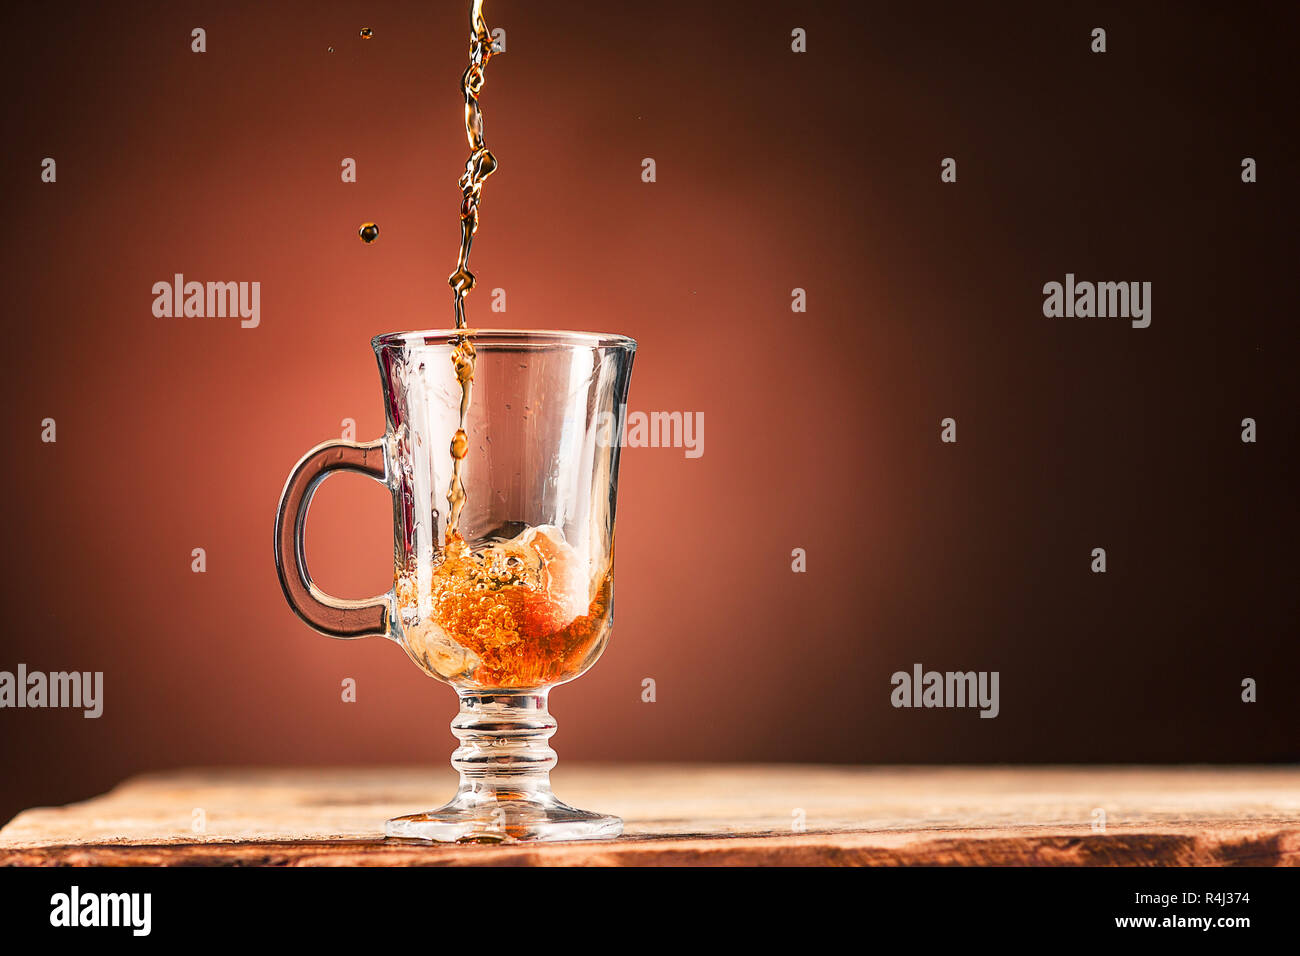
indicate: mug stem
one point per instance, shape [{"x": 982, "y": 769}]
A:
[
  {"x": 504, "y": 761},
  {"x": 504, "y": 751}
]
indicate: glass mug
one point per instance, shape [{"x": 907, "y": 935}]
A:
[{"x": 522, "y": 599}]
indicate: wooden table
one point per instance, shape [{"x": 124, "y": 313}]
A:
[{"x": 698, "y": 814}]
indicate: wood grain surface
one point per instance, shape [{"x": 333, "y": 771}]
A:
[{"x": 710, "y": 815}]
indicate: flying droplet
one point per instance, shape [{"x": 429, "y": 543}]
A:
[
  {"x": 367, "y": 33},
  {"x": 368, "y": 232},
  {"x": 330, "y": 50}
]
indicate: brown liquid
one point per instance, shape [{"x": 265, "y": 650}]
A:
[
  {"x": 520, "y": 613},
  {"x": 478, "y": 167}
]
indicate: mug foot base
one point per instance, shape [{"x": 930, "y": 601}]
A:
[{"x": 504, "y": 821}]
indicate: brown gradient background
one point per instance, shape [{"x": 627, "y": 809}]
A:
[{"x": 775, "y": 170}]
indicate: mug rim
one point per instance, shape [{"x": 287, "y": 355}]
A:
[{"x": 533, "y": 338}]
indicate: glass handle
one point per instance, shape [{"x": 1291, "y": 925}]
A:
[{"x": 332, "y": 616}]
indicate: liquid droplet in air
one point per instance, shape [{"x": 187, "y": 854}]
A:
[
  {"x": 367, "y": 33},
  {"x": 368, "y": 232}
]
